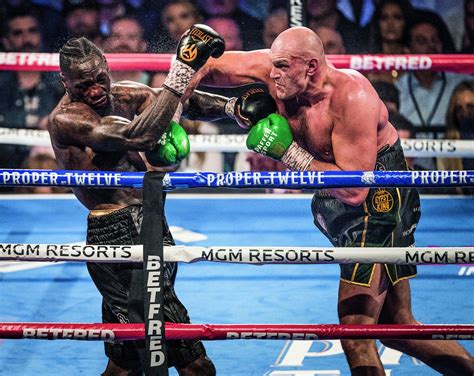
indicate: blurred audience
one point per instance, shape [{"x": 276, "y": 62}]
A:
[
  {"x": 358, "y": 11},
  {"x": 325, "y": 13},
  {"x": 389, "y": 33},
  {"x": 82, "y": 20},
  {"x": 332, "y": 40},
  {"x": 229, "y": 30},
  {"x": 425, "y": 94},
  {"x": 250, "y": 27},
  {"x": 467, "y": 46},
  {"x": 126, "y": 36},
  {"x": 29, "y": 95},
  {"x": 274, "y": 24},
  {"x": 177, "y": 16},
  {"x": 460, "y": 124}
]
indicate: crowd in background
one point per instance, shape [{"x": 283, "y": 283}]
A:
[{"x": 421, "y": 104}]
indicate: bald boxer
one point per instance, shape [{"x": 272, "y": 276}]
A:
[
  {"x": 102, "y": 126},
  {"x": 332, "y": 120}
]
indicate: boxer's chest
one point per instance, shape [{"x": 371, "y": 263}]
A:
[{"x": 312, "y": 128}]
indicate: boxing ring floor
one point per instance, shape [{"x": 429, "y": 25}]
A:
[{"x": 222, "y": 293}]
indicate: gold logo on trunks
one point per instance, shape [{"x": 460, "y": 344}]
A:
[
  {"x": 382, "y": 201},
  {"x": 379, "y": 167},
  {"x": 189, "y": 52}
]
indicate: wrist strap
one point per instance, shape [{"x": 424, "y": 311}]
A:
[
  {"x": 230, "y": 107},
  {"x": 296, "y": 158},
  {"x": 178, "y": 77}
]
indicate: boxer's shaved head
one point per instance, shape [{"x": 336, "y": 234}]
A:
[{"x": 299, "y": 42}]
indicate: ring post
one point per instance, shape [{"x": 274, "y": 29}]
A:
[{"x": 147, "y": 287}]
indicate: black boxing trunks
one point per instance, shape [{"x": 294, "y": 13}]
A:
[
  {"x": 113, "y": 281},
  {"x": 387, "y": 218}
]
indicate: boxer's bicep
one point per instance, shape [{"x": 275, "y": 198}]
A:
[
  {"x": 234, "y": 68},
  {"x": 354, "y": 136},
  {"x": 82, "y": 127}
]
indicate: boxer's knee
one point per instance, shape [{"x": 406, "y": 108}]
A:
[{"x": 360, "y": 351}]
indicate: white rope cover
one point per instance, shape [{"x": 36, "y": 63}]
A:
[
  {"x": 243, "y": 255},
  {"x": 236, "y": 143}
]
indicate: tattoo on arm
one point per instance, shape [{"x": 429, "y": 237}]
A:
[
  {"x": 154, "y": 120},
  {"x": 205, "y": 106}
]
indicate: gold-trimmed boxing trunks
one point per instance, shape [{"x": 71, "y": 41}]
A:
[{"x": 387, "y": 218}]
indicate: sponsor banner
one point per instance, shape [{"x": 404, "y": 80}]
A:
[
  {"x": 242, "y": 255},
  {"x": 236, "y": 143}
]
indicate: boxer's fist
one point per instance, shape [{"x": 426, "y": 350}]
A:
[
  {"x": 252, "y": 106},
  {"x": 271, "y": 136},
  {"x": 171, "y": 149},
  {"x": 197, "y": 44}
]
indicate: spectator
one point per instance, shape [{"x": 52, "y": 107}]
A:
[
  {"x": 468, "y": 37},
  {"x": 274, "y": 24},
  {"x": 229, "y": 30},
  {"x": 126, "y": 36},
  {"x": 251, "y": 27},
  {"x": 332, "y": 40},
  {"x": 177, "y": 17},
  {"x": 325, "y": 13},
  {"x": 425, "y": 94},
  {"x": 82, "y": 20},
  {"x": 30, "y": 95},
  {"x": 389, "y": 33},
  {"x": 460, "y": 124},
  {"x": 48, "y": 13}
]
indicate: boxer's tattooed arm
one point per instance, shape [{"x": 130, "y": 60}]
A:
[
  {"x": 205, "y": 106},
  {"x": 77, "y": 124}
]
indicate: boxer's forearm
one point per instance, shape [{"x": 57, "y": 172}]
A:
[
  {"x": 349, "y": 196},
  {"x": 205, "y": 106}
]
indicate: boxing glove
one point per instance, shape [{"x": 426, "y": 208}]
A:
[
  {"x": 199, "y": 43},
  {"x": 194, "y": 48},
  {"x": 252, "y": 106},
  {"x": 272, "y": 136},
  {"x": 171, "y": 149}
]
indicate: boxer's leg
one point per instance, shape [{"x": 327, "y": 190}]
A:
[
  {"x": 359, "y": 304},
  {"x": 447, "y": 357}
]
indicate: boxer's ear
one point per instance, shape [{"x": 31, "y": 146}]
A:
[{"x": 313, "y": 66}]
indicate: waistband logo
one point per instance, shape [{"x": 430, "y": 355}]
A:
[{"x": 382, "y": 201}]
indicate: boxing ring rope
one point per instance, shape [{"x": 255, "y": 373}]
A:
[
  {"x": 29, "y": 61},
  {"x": 256, "y": 255},
  {"x": 248, "y": 179},
  {"x": 211, "y": 332},
  {"x": 236, "y": 143}
]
